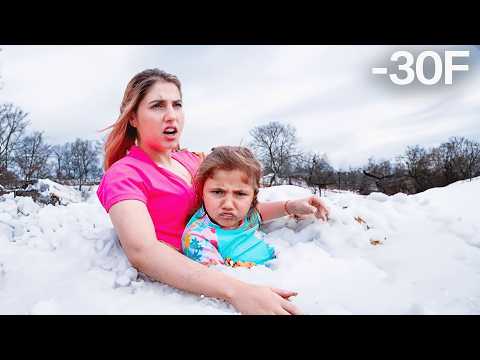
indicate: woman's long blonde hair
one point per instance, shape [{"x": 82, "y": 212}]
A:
[{"x": 123, "y": 134}]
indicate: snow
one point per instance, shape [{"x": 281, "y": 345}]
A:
[
  {"x": 47, "y": 187},
  {"x": 377, "y": 254}
]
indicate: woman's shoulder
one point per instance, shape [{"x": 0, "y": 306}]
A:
[
  {"x": 197, "y": 156},
  {"x": 126, "y": 168},
  {"x": 122, "y": 181},
  {"x": 124, "y": 165},
  {"x": 191, "y": 159}
]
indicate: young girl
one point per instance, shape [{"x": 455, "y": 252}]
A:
[{"x": 224, "y": 228}]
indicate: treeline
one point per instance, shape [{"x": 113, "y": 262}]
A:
[
  {"x": 416, "y": 170},
  {"x": 25, "y": 155}
]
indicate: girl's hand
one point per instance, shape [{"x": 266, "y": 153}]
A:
[
  {"x": 307, "y": 206},
  {"x": 263, "y": 300}
]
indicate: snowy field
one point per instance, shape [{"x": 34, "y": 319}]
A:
[{"x": 378, "y": 254}]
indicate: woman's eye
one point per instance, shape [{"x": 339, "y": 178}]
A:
[
  {"x": 242, "y": 194},
  {"x": 217, "y": 192},
  {"x": 179, "y": 105}
]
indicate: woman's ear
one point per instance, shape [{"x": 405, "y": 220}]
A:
[{"x": 133, "y": 121}]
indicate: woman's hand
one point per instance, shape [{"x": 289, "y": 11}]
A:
[
  {"x": 307, "y": 206},
  {"x": 262, "y": 300}
]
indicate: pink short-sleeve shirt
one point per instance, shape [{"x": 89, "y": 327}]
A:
[{"x": 169, "y": 199}]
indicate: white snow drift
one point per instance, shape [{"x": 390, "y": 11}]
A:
[{"x": 378, "y": 254}]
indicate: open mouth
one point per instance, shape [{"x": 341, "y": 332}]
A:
[{"x": 170, "y": 131}]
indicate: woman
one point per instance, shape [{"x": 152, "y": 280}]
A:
[{"x": 147, "y": 191}]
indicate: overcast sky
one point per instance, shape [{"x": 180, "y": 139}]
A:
[{"x": 327, "y": 93}]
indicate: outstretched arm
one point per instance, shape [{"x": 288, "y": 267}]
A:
[
  {"x": 305, "y": 206},
  {"x": 158, "y": 260}
]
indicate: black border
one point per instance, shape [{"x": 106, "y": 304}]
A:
[
  {"x": 307, "y": 26},
  {"x": 241, "y": 24}
]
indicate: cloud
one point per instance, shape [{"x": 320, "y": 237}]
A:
[{"x": 327, "y": 92}]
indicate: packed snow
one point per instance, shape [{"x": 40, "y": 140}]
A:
[
  {"x": 66, "y": 194},
  {"x": 377, "y": 254}
]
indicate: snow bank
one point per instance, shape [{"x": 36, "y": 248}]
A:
[
  {"x": 66, "y": 194},
  {"x": 378, "y": 254}
]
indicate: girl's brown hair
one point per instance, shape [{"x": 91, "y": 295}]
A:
[
  {"x": 228, "y": 158},
  {"x": 123, "y": 135}
]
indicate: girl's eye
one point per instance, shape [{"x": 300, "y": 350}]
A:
[
  {"x": 217, "y": 192},
  {"x": 242, "y": 194},
  {"x": 179, "y": 105}
]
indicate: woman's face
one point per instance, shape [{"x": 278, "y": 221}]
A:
[
  {"x": 227, "y": 197},
  {"x": 159, "y": 118}
]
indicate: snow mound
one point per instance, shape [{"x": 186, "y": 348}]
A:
[
  {"x": 47, "y": 187},
  {"x": 377, "y": 254}
]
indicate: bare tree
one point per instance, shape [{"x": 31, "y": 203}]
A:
[
  {"x": 472, "y": 159},
  {"x": 317, "y": 171},
  {"x": 418, "y": 165},
  {"x": 77, "y": 161},
  {"x": 31, "y": 156},
  {"x": 457, "y": 158},
  {"x": 275, "y": 146},
  {"x": 387, "y": 176},
  {"x": 84, "y": 160},
  {"x": 61, "y": 166},
  {"x": 378, "y": 172},
  {"x": 353, "y": 179},
  {"x": 378, "y": 169},
  {"x": 449, "y": 160},
  {"x": 12, "y": 127}
]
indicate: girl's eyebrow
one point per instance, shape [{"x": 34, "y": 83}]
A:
[
  {"x": 241, "y": 190},
  {"x": 234, "y": 190}
]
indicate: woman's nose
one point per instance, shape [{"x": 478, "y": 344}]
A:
[{"x": 170, "y": 114}]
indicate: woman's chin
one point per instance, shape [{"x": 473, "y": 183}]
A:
[{"x": 169, "y": 145}]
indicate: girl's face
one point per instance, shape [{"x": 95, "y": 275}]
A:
[
  {"x": 159, "y": 118},
  {"x": 227, "y": 197}
]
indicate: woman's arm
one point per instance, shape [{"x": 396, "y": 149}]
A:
[
  {"x": 136, "y": 232},
  {"x": 305, "y": 206}
]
